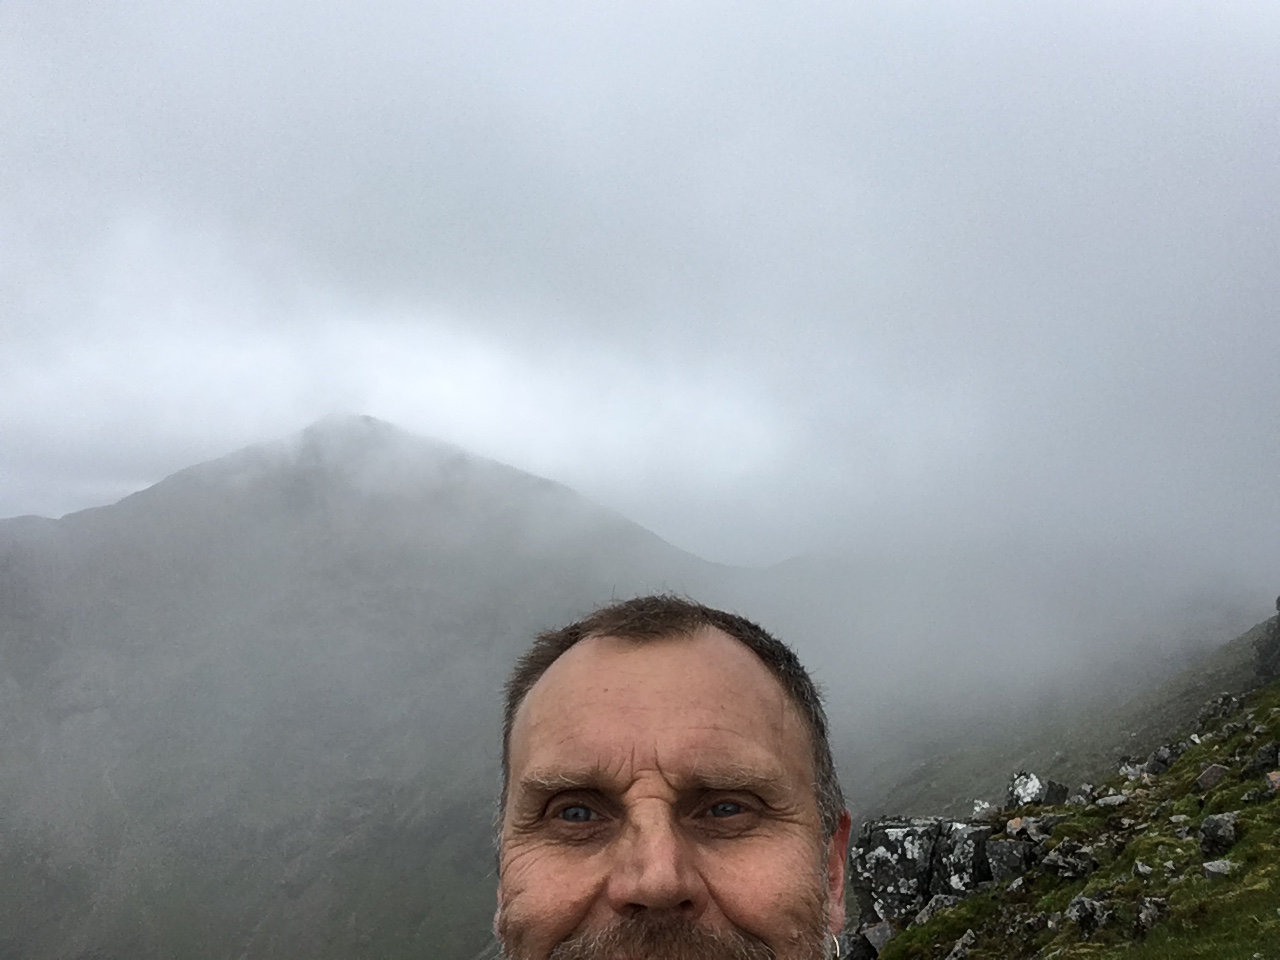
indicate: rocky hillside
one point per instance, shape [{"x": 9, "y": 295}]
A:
[{"x": 1175, "y": 855}]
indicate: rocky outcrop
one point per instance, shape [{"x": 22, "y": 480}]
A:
[
  {"x": 898, "y": 865},
  {"x": 1178, "y": 823}
]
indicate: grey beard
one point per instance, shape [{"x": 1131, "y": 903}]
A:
[{"x": 673, "y": 938}]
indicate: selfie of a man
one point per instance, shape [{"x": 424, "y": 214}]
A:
[{"x": 668, "y": 792}]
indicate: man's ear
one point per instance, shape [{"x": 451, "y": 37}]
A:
[{"x": 837, "y": 858}]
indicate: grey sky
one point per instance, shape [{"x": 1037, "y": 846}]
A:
[{"x": 765, "y": 277}]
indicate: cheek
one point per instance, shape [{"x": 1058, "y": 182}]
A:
[
  {"x": 542, "y": 903},
  {"x": 780, "y": 898}
]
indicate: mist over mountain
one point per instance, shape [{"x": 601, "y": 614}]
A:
[{"x": 253, "y": 709}]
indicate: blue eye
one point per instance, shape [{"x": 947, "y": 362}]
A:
[
  {"x": 725, "y": 808},
  {"x": 577, "y": 814}
]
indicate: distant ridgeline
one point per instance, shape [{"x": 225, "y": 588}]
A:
[
  {"x": 253, "y": 710},
  {"x": 1178, "y": 855}
]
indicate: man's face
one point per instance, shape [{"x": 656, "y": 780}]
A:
[{"x": 661, "y": 804}]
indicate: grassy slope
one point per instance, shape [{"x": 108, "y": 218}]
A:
[
  {"x": 1237, "y": 918},
  {"x": 1072, "y": 747}
]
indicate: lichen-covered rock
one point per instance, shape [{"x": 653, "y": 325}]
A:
[
  {"x": 960, "y": 951},
  {"x": 960, "y": 858},
  {"x": 890, "y": 867},
  {"x": 899, "y": 864},
  {"x": 935, "y": 906},
  {"x": 1027, "y": 788}
]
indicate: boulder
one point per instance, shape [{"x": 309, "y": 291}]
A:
[
  {"x": 1217, "y": 834},
  {"x": 1027, "y": 788},
  {"x": 890, "y": 867},
  {"x": 1009, "y": 859},
  {"x": 960, "y": 858},
  {"x": 878, "y": 934},
  {"x": 1220, "y": 706},
  {"x": 1151, "y": 910},
  {"x": 1070, "y": 861},
  {"x": 935, "y": 906},
  {"x": 899, "y": 864},
  {"x": 1089, "y": 915},
  {"x": 1211, "y": 776},
  {"x": 1218, "y": 869},
  {"x": 1266, "y": 758}
]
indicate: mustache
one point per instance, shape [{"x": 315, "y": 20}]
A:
[{"x": 664, "y": 938}]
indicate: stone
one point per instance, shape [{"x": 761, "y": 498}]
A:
[
  {"x": 1218, "y": 869},
  {"x": 1211, "y": 776},
  {"x": 962, "y": 946},
  {"x": 1089, "y": 915},
  {"x": 1161, "y": 759},
  {"x": 1266, "y": 758},
  {"x": 890, "y": 867},
  {"x": 959, "y": 858},
  {"x": 935, "y": 906},
  {"x": 1117, "y": 800},
  {"x": 857, "y": 947},
  {"x": 1151, "y": 910},
  {"x": 1070, "y": 861},
  {"x": 898, "y": 864},
  {"x": 1008, "y": 859},
  {"x": 1027, "y": 788},
  {"x": 1217, "y": 834},
  {"x": 1220, "y": 706},
  {"x": 878, "y": 934},
  {"x": 1141, "y": 869}
]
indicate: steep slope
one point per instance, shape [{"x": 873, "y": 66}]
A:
[
  {"x": 1176, "y": 859},
  {"x": 252, "y": 710}
]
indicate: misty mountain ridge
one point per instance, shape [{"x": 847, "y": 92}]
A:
[{"x": 259, "y": 700}]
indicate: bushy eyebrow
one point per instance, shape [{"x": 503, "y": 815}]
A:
[{"x": 726, "y": 778}]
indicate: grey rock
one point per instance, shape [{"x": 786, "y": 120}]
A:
[
  {"x": 890, "y": 867},
  {"x": 1151, "y": 910},
  {"x": 1211, "y": 776},
  {"x": 1218, "y": 869},
  {"x": 1009, "y": 858},
  {"x": 1116, "y": 800},
  {"x": 1217, "y": 834},
  {"x": 962, "y": 946},
  {"x": 1027, "y": 788},
  {"x": 878, "y": 934},
  {"x": 960, "y": 858},
  {"x": 1220, "y": 706},
  {"x": 1089, "y": 915},
  {"x": 1266, "y": 758},
  {"x": 1070, "y": 861},
  {"x": 898, "y": 864},
  {"x": 1141, "y": 869},
  {"x": 1162, "y": 758},
  {"x": 940, "y": 902},
  {"x": 854, "y": 946}
]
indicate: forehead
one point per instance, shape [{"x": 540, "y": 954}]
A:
[{"x": 680, "y": 703}]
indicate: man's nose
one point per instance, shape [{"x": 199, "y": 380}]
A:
[{"x": 654, "y": 867}]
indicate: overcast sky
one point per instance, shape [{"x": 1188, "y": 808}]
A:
[{"x": 762, "y": 276}]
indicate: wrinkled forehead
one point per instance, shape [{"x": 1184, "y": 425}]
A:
[{"x": 683, "y": 700}]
